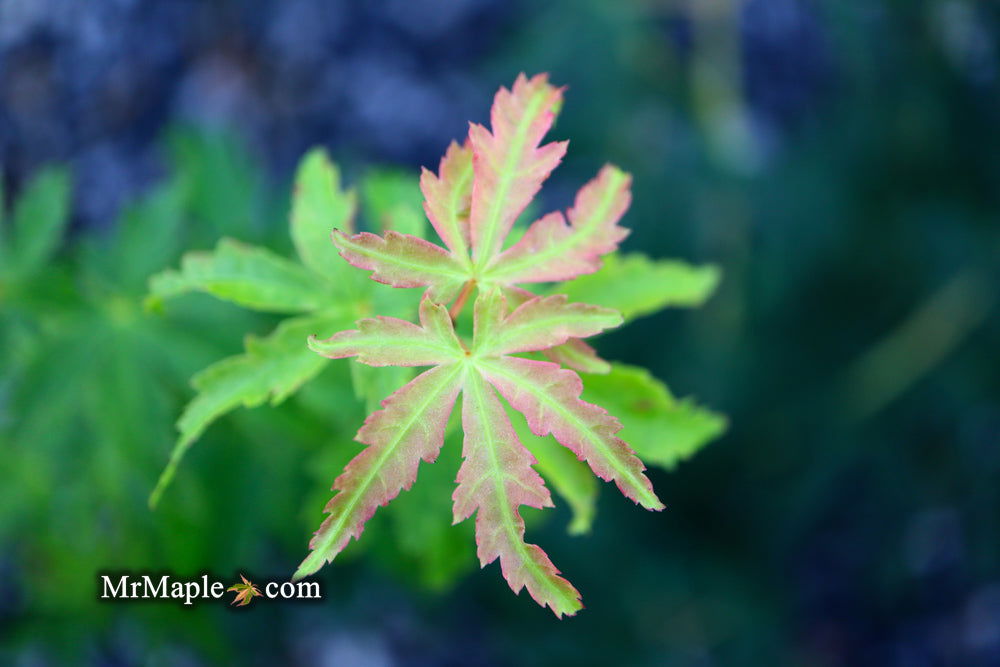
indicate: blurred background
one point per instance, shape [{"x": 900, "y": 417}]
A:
[{"x": 838, "y": 160}]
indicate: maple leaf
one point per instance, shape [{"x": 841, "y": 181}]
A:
[
  {"x": 472, "y": 202},
  {"x": 496, "y": 477},
  {"x": 480, "y": 190},
  {"x": 545, "y": 432},
  {"x": 318, "y": 288},
  {"x": 245, "y": 592}
]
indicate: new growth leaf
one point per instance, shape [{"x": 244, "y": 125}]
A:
[
  {"x": 527, "y": 417},
  {"x": 480, "y": 189}
]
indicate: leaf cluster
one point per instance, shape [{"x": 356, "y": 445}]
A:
[
  {"x": 473, "y": 202},
  {"x": 534, "y": 295}
]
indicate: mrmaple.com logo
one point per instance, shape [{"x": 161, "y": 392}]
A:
[{"x": 203, "y": 588}]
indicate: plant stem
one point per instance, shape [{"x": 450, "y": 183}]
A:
[{"x": 463, "y": 296}]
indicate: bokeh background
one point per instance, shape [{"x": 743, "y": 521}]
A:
[{"x": 838, "y": 160}]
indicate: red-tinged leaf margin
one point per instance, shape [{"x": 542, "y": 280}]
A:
[
  {"x": 478, "y": 192},
  {"x": 508, "y": 163},
  {"x": 549, "y": 398},
  {"x": 574, "y": 353},
  {"x": 496, "y": 478},
  {"x": 388, "y": 341},
  {"x": 447, "y": 198},
  {"x": 539, "y": 323},
  {"x": 402, "y": 260},
  {"x": 552, "y": 251},
  {"x": 409, "y": 428}
]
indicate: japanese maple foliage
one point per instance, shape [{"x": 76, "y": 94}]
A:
[{"x": 480, "y": 190}]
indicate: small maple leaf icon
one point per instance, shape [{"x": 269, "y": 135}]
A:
[{"x": 244, "y": 592}]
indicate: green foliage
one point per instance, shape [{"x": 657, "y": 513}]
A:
[
  {"x": 318, "y": 285},
  {"x": 390, "y": 197},
  {"x": 248, "y": 276},
  {"x": 636, "y": 285},
  {"x": 134, "y": 362},
  {"x": 885, "y": 194},
  {"x": 662, "y": 429},
  {"x": 225, "y": 188},
  {"x": 37, "y": 224},
  {"x": 272, "y": 368},
  {"x": 88, "y": 385},
  {"x": 568, "y": 476},
  {"x": 103, "y": 450},
  {"x": 324, "y": 294}
]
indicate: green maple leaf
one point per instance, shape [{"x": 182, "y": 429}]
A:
[{"x": 318, "y": 290}]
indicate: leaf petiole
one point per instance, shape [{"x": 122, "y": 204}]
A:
[{"x": 463, "y": 296}]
